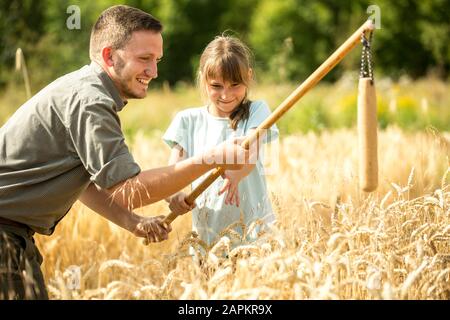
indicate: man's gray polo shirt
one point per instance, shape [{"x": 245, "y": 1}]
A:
[{"x": 59, "y": 141}]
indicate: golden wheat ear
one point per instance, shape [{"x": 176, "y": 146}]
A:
[{"x": 21, "y": 65}]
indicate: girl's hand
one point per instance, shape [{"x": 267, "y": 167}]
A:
[
  {"x": 231, "y": 182},
  {"x": 178, "y": 205}
]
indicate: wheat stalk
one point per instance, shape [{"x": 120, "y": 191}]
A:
[{"x": 21, "y": 65}]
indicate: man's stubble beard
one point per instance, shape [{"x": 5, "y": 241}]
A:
[{"x": 124, "y": 88}]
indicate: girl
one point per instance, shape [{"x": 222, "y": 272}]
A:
[{"x": 224, "y": 77}]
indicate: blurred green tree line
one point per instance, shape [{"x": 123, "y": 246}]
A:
[{"x": 289, "y": 38}]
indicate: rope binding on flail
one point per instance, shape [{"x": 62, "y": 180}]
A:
[{"x": 366, "y": 56}]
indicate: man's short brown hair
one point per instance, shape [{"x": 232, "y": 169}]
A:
[{"x": 115, "y": 26}]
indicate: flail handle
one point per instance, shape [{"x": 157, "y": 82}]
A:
[{"x": 190, "y": 198}]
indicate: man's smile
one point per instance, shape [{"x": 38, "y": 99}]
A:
[{"x": 143, "y": 81}]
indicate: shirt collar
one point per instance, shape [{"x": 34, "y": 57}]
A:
[{"x": 109, "y": 85}]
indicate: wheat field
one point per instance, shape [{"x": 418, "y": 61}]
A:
[{"x": 331, "y": 241}]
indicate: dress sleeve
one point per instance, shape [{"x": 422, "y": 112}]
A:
[
  {"x": 259, "y": 111},
  {"x": 98, "y": 140},
  {"x": 177, "y": 132}
]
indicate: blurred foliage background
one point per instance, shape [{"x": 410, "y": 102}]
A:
[{"x": 289, "y": 39}]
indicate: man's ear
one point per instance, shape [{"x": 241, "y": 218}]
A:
[{"x": 107, "y": 56}]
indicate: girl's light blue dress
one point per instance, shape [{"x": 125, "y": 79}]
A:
[{"x": 196, "y": 130}]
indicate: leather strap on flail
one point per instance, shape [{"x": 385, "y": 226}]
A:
[{"x": 366, "y": 56}]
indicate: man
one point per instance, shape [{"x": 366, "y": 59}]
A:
[{"x": 66, "y": 143}]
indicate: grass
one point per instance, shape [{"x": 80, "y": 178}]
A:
[{"x": 410, "y": 105}]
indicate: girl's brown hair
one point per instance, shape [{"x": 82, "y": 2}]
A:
[{"x": 228, "y": 58}]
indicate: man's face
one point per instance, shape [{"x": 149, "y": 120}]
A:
[{"x": 136, "y": 64}]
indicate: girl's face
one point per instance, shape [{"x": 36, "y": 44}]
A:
[{"x": 224, "y": 96}]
